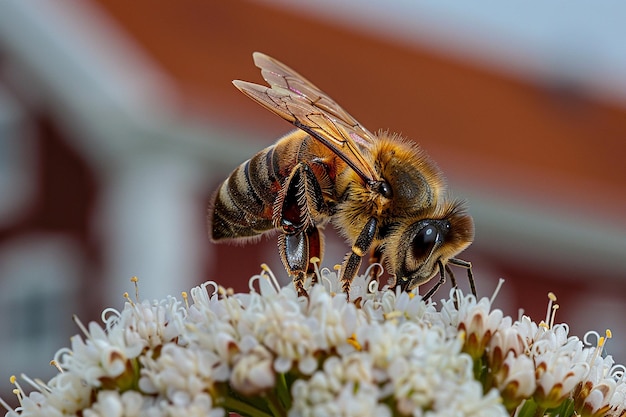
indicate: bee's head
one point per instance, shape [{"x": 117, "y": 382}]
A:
[{"x": 428, "y": 243}]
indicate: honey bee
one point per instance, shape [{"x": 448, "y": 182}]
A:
[{"x": 381, "y": 192}]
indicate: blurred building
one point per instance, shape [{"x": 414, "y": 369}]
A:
[{"x": 118, "y": 120}]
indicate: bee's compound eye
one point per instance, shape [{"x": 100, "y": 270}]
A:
[
  {"x": 385, "y": 189},
  {"x": 424, "y": 241}
]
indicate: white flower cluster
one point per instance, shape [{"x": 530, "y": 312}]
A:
[{"x": 271, "y": 353}]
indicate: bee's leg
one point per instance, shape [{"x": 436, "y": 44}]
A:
[
  {"x": 352, "y": 262},
  {"x": 296, "y": 251},
  {"x": 291, "y": 247},
  {"x": 301, "y": 240},
  {"x": 442, "y": 280},
  {"x": 468, "y": 266},
  {"x": 454, "y": 284},
  {"x": 451, "y": 275}
]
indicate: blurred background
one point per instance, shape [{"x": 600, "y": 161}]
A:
[{"x": 118, "y": 120}]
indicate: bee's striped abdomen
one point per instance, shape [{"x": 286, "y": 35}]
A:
[{"x": 243, "y": 203}]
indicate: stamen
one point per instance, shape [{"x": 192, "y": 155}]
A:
[
  {"x": 272, "y": 277},
  {"x": 135, "y": 281},
  {"x": 224, "y": 292},
  {"x": 6, "y": 406},
  {"x": 81, "y": 326},
  {"x": 496, "y": 291},
  {"x": 553, "y": 316},
  {"x": 186, "y": 298},
  {"x": 393, "y": 315},
  {"x": 42, "y": 385},
  {"x": 56, "y": 365},
  {"x": 18, "y": 391},
  {"x": 551, "y": 299},
  {"x": 127, "y": 297},
  {"x": 352, "y": 340},
  {"x": 30, "y": 382},
  {"x": 598, "y": 350}
]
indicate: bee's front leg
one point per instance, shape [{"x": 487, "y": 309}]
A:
[{"x": 352, "y": 262}]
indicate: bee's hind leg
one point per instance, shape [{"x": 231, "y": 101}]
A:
[{"x": 300, "y": 240}]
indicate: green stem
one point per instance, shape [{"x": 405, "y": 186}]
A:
[
  {"x": 528, "y": 408},
  {"x": 478, "y": 369},
  {"x": 282, "y": 389},
  {"x": 275, "y": 407},
  {"x": 243, "y": 408}
]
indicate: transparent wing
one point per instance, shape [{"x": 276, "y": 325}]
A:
[{"x": 298, "y": 101}]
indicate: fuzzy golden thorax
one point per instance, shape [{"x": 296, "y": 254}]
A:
[
  {"x": 415, "y": 181},
  {"x": 419, "y": 227}
]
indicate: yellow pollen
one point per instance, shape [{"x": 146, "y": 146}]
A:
[
  {"x": 127, "y": 297},
  {"x": 225, "y": 292},
  {"x": 265, "y": 267},
  {"x": 608, "y": 333},
  {"x": 12, "y": 379},
  {"x": 134, "y": 280},
  {"x": 392, "y": 315},
  {"x": 411, "y": 295},
  {"x": 337, "y": 267},
  {"x": 186, "y": 298},
  {"x": 315, "y": 261},
  {"x": 56, "y": 365},
  {"x": 551, "y": 296},
  {"x": 352, "y": 340}
]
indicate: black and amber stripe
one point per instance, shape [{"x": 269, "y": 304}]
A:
[{"x": 244, "y": 203}]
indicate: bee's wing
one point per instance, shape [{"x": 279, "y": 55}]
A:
[{"x": 300, "y": 102}]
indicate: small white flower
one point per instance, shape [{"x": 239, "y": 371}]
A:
[
  {"x": 515, "y": 379},
  {"x": 253, "y": 372},
  {"x": 200, "y": 406},
  {"x": 179, "y": 370},
  {"x": 505, "y": 340},
  {"x": 475, "y": 319},
  {"x": 343, "y": 387},
  {"x": 114, "y": 404},
  {"x": 383, "y": 353}
]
